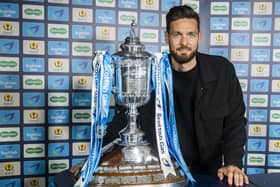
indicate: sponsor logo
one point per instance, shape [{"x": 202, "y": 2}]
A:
[
  {"x": 274, "y": 145},
  {"x": 58, "y": 65},
  {"x": 58, "y": 133},
  {"x": 263, "y": 39},
  {"x": 256, "y": 159},
  {"x": 9, "y": 169},
  {"x": 256, "y": 145},
  {"x": 36, "y": 167},
  {"x": 241, "y": 8},
  {"x": 9, "y": 46},
  {"x": 34, "y": 150},
  {"x": 219, "y": 8},
  {"x": 262, "y": 24},
  {"x": 11, "y": 151},
  {"x": 56, "y": 166},
  {"x": 82, "y": 83},
  {"x": 273, "y": 160},
  {"x": 81, "y": 132},
  {"x": 149, "y": 35},
  {"x": 9, "y": 28},
  {"x": 81, "y": 116},
  {"x": 82, "y": 32},
  {"x": 219, "y": 23},
  {"x": 106, "y": 3},
  {"x": 9, "y": 10},
  {"x": 259, "y": 85},
  {"x": 80, "y": 148},
  {"x": 33, "y": 82},
  {"x": 263, "y": 8},
  {"x": 240, "y": 23},
  {"x": 241, "y": 70},
  {"x": 56, "y": 116},
  {"x": 258, "y": 115},
  {"x": 258, "y": 100},
  {"x": 274, "y": 131},
  {"x": 34, "y": 133},
  {"x": 82, "y": 15},
  {"x": 34, "y": 116},
  {"x": 105, "y": 33},
  {"x": 9, "y": 99},
  {"x": 260, "y": 55},
  {"x": 126, "y": 17},
  {"x": 132, "y": 4},
  {"x": 219, "y": 39},
  {"x": 105, "y": 16},
  {"x": 9, "y": 134},
  {"x": 149, "y": 19},
  {"x": 58, "y": 13},
  {"x": 33, "y": 12},
  {"x": 260, "y": 70},
  {"x": 257, "y": 130},
  {"x": 58, "y": 48},
  {"x": 9, "y": 117},
  {"x": 58, "y": 82},
  {"x": 33, "y": 47},
  {"x": 82, "y": 49},
  {"x": 58, "y": 31}
]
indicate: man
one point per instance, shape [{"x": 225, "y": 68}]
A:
[
  {"x": 208, "y": 104},
  {"x": 208, "y": 100}
]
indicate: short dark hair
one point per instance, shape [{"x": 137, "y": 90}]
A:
[{"x": 179, "y": 12}]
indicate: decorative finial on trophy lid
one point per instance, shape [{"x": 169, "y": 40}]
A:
[
  {"x": 132, "y": 29},
  {"x": 132, "y": 43}
]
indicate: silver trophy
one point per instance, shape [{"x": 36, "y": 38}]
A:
[{"x": 130, "y": 160}]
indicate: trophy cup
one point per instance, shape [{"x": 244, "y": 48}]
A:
[{"x": 130, "y": 160}]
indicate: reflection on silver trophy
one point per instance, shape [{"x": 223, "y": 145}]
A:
[{"x": 130, "y": 160}]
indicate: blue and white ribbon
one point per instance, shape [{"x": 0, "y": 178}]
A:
[
  {"x": 164, "y": 157},
  {"x": 101, "y": 94},
  {"x": 162, "y": 80}
]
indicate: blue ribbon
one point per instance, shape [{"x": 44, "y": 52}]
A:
[
  {"x": 103, "y": 78},
  {"x": 169, "y": 119}
]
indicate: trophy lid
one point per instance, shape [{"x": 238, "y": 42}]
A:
[{"x": 132, "y": 44}]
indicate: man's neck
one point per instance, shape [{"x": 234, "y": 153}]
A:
[{"x": 184, "y": 67}]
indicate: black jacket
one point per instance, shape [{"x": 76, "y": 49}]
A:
[{"x": 219, "y": 115}]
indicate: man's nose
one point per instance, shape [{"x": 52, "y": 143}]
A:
[{"x": 184, "y": 39}]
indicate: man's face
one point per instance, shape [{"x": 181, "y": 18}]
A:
[{"x": 183, "y": 39}]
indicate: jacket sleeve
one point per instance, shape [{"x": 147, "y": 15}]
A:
[{"x": 234, "y": 124}]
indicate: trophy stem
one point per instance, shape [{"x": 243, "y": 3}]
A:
[
  {"x": 132, "y": 134},
  {"x": 132, "y": 117}
]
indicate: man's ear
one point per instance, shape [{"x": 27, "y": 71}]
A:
[
  {"x": 199, "y": 36},
  {"x": 166, "y": 36}
]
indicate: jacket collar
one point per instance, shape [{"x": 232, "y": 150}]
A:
[{"x": 207, "y": 73}]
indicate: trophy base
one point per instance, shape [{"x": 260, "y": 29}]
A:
[{"x": 114, "y": 171}]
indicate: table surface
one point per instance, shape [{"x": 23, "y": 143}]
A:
[{"x": 64, "y": 179}]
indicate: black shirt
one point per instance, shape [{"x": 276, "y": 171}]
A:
[{"x": 184, "y": 88}]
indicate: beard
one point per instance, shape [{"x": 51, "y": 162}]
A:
[{"x": 184, "y": 58}]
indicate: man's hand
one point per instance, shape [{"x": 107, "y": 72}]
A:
[{"x": 234, "y": 175}]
